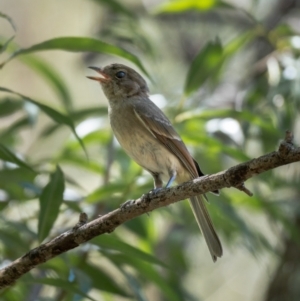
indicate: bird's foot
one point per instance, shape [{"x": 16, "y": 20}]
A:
[
  {"x": 155, "y": 190},
  {"x": 127, "y": 204}
]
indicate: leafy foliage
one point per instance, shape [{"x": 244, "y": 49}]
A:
[{"x": 240, "y": 93}]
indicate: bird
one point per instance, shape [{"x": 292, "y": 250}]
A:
[{"x": 148, "y": 137}]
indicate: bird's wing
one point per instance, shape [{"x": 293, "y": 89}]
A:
[{"x": 160, "y": 127}]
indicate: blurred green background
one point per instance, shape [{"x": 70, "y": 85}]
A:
[{"x": 227, "y": 73}]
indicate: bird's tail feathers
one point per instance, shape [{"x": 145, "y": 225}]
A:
[{"x": 207, "y": 228}]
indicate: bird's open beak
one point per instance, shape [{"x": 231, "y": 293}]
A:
[{"x": 105, "y": 78}]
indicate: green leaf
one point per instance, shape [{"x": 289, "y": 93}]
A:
[
  {"x": 15, "y": 237},
  {"x": 84, "y": 113},
  {"x": 77, "y": 160},
  {"x": 210, "y": 60},
  {"x": 50, "y": 201},
  {"x": 7, "y": 155},
  {"x": 12, "y": 131},
  {"x": 203, "y": 66},
  {"x": 9, "y": 106},
  {"x": 9, "y": 19},
  {"x": 80, "y": 44},
  {"x": 77, "y": 116},
  {"x": 101, "y": 280},
  {"x": 185, "y": 5},
  {"x": 4, "y": 46},
  {"x": 63, "y": 284},
  {"x": 53, "y": 114},
  {"x": 115, "y": 243},
  {"x": 134, "y": 284},
  {"x": 241, "y": 40},
  {"x": 105, "y": 191},
  {"x": 117, "y": 7},
  {"x": 51, "y": 76},
  {"x": 14, "y": 181}
]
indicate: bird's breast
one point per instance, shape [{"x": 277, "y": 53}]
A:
[{"x": 142, "y": 146}]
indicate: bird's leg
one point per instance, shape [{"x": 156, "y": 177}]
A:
[
  {"x": 158, "y": 183},
  {"x": 173, "y": 175}
]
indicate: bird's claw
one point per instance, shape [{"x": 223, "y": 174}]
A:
[{"x": 155, "y": 190}]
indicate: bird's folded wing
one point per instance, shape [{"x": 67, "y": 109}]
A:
[{"x": 162, "y": 129}]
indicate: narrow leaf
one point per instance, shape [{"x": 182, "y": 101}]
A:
[
  {"x": 7, "y": 155},
  {"x": 80, "y": 44},
  {"x": 14, "y": 181},
  {"x": 210, "y": 60},
  {"x": 101, "y": 280},
  {"x": 203, "y": 66},
  {"x": 53, "y": 114},
  {"x": 51, "y": 76},
  {"x": 14, "y": 129},
  {"x": 241, "y": 40},
  {"x": 64, "y": 285},
  {"x": 180, "y": 6},
  {"x": 50, "y": 201},
  {"x": 146, "y": 271},
  {"x": 4, "y": 46},
  {"x": 114, "y": 243},
  {"x": 117, "y": 7},
  {"x": 9, "y": 19},
  {"x": 77, "y": 116},
  {"x": 9, "y": 106}
]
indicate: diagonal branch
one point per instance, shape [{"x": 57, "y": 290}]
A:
[{"x": 83, "y": 232}]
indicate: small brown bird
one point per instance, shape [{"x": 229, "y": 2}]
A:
[{"x": 149, "y": 138}]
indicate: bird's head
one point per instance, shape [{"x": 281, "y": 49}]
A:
[{"x": 119, "y": 81}]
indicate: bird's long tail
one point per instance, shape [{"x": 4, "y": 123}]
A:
[{"x": 207, "y": 228}]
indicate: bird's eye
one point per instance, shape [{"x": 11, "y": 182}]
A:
[{"x": 120, "y": 74}]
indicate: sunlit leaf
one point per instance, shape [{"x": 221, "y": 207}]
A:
[
  {"x": 215, "y": 146},
  {"x": 106, "y": 191},
  {"x": 50, "y": 201},
  {"x": 80, "y": 44},
  {"x": 4, "y": 45},
  {"x": 9, "y": 156},
  {"x": 235, "y": 44},
  {"x": 179, "y": 6},
  {"x": 138, "y": 226}
]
